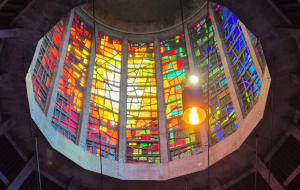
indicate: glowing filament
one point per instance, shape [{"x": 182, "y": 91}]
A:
[
  {"x": 194, "y": 79},
  {"x": 194, "y": 115},
  {"x": 194, "y": 118}
]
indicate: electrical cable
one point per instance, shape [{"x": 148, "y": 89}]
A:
[
  {"x": 265, "y": 138},
  {"x": 208, "y": 95},
  {"x": 38, "y": 161},
  {"x": 269, "y": 140},
  {"x": 269, "y": 165},
  {"x": 182, "y": 18},
  {"x": 255, "y": 174},
  {"x": 34, "y": 137},
  {"x": 182, "y": 22},
  {"x": 208, "y": 98},
  {"x": 272, "y": 123},
  {"x": 100, "y": 121}
]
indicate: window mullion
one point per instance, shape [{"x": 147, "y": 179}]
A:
[
  {"x": 123, "y": 104},
  {"x": 163, "y": 131},
  {"x": 253, "y": 54},
  {"x": 52, "y": 97},
  {"x": 232, "y": 85},
  {"x": 82, "y": 130}
]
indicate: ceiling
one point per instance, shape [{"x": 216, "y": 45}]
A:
[{"x": 140, "y": 16}]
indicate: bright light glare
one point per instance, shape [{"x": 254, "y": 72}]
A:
[
  {"x": 194, "y": 118},
  {"x": 194, "y": 115},
  {"x": 194, "y": 79}
]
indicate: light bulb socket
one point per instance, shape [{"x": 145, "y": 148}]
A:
[{"x": 193, "y": 98}]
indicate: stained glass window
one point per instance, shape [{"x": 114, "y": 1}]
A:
[
  {"x": 258, "y": 49},
  {"x": 245, "y": 73},
  {"x": 86, "y": 93},
  {"x": 46, "y": 63},
  {"x": 182, "y": 141},
  {"x": 105, "y": 98},
  {"x": 222, "y": 117},
  {"x": 142, "y": 121},
  {"x": 66, "y": 118}
]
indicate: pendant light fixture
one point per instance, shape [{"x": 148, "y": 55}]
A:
[{"x": 192, "y": 97}]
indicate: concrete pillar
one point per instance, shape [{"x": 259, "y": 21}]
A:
[
  {"x": 189, "y": 50},
  {"x": 84, "y": 116},
  {"x": 22, "y": 176},
  {"x": 267, "y": 175},
  {"x": 232, "y": 86},
  {"x": 254, "y": 56},
  {"x": 62, "y": 54},
  {"x": 4, "y": 179},
  {"x": 163, "y": 131},
  {"x": 204, "y": 135},
  {"x": 123, "y": 104}
]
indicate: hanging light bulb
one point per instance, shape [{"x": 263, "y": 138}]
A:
[
  {"x": 192, "y": 96},
  {"x": 194, "y": 79},
  {"x": 194, "y": 115},
  {"x": 193, "y": 105}
]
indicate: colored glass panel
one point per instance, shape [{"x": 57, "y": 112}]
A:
[
  {"x": 105, "y": 98},
  {"x": 69, "y": 99},
  {"x": 46, "y": 63},
  {"x": 258, "y": 49},
  {"x": 142, "y": 121},
  {"x": 245, "y": 73},
  {"x": 182, "y": 141},
  {"x": 222, "y": 117}
]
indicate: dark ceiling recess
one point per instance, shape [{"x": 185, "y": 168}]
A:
[
  {"x": 248, "y": 183},
  {"x": 291, "y": 8},
  {"x": 2, "y": 185},
  {"x": 31, "y": 183},
  {"x": 280, "y": 51},
  {"x": 144, "y": 10},
  {"x": 295, "y": 184},
  {"x": 142, "y": 15},
  {"x": 10, "y": 161},
  {"x": 286, "y": 159},
  {"x": 10, "y": 10}
]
